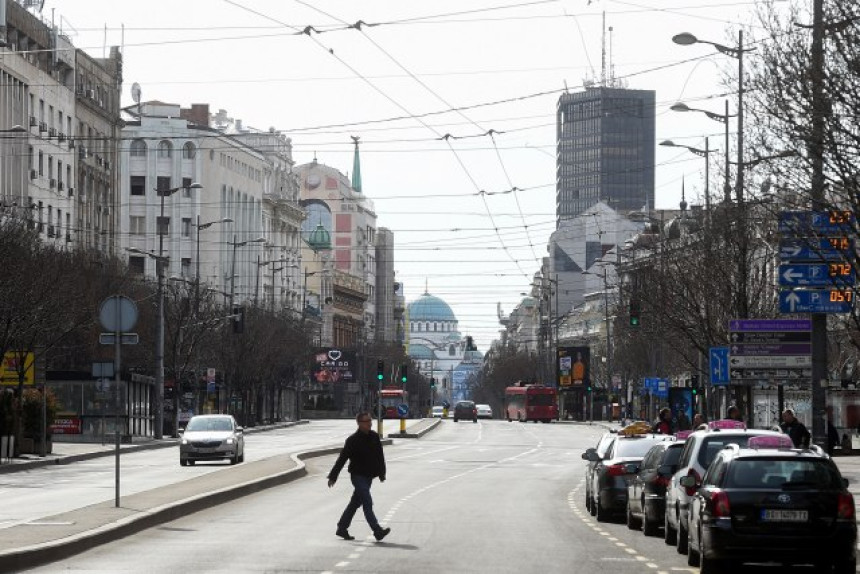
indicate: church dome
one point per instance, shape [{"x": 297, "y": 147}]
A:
[
  {"x": 430, "y": 308},
  {"x": 420, "y": 352},
  {"x": 319, "y": 238}
]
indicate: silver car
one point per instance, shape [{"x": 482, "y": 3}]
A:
[{"x": 212, "y": 437}]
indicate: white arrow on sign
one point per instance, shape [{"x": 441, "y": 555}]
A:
[
  {"x": 792, "y": 299},
  {"x": 790, "y": 275},
  {"x": 792, "y": 251}
]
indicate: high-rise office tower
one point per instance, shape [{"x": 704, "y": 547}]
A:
[{"x": 605, "y": 150}]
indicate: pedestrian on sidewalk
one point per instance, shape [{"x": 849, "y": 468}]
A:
[
  {"x": 795, "y": 429},
  {"x": 734, "y": 413},
  {"x": 363, "y": 450},
  {"x": 664, "y": 422}
]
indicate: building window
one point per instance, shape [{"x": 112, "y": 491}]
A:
[
  {"x": 162, "y": 183},
  {"x": 41, "y": 164},
  {"x": 186, "y": 227},
  {"x": 138, "y": 148},
  {"x": 164, "y": 149},
  {"x": 136, "y": 264},
  {"x": 163, "y": 225},
  {"x": 188, "y": 151},
  {"x": 137, "y": 225},
  {"x": 138, "y": 185},
  {"x": 186, "y": 187},
  {"x": 186, "y": 266}
]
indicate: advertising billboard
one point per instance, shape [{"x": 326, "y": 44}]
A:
[
  {"x": 333, "y": 366},
  {"x": 573, "y": 367}
]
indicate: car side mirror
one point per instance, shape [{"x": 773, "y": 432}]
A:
[
  {"x": 631, "y": 468},
  {"x": 688, "y": 481},
  {"x": 240, "y": 429},
  {"x": 591, "y": 455},
  {"x": 845, "y": 483},
  {"x": 181, "y": 431}
]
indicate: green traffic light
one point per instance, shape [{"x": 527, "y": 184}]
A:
[{"x": 634, "y": 321}]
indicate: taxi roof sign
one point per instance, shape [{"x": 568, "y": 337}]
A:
[
  {"x": 727, "y": 424},
  {"x": 637, "y": 428},
  {"x": 781, "y": 441}
]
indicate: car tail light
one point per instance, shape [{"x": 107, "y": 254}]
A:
[
  {"x": 617, "y": 470},
  {"x": 845, "y": 507},
  {"x": 691, "y": 490},
  {"x": 662, "y": 480},
  {"x": 720, "y": 507}
]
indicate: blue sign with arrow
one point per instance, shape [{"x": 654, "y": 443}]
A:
[
  {"x": 816, "y": 249},
  {"x": 719, "y": 365},
  {"x": 816, "y": 301},
  {"x": 816, "y": 274}
]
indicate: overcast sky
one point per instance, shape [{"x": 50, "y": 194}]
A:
[{"x": 458, "y": 226}]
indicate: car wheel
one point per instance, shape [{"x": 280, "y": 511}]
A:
[
  {"x": 183, "y": 462},
  {"x": 455, "y": 419},
  {"x": 600, "y": 513},
  {"x": 692, "y": 552},
  {"x": 190, "y": 463},
  {"x": 711, "y": 566},
  {"x": 845, "y": 566},
  {"x": 242, "y": 457},
  {"x": 649, "y": 527},
  {"x": 669, "y": 535},
  {"x": 509, "y": 419},
  {"x": 682, "y": 538},
  {"x": 588, "y": 501},
  {"x": 234, "y": 459},
  {"x": 632, "y": 522},
  {"x": 593, "y": 509}
]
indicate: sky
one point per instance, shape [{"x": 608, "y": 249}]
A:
[{"x": 453, "y": 100}]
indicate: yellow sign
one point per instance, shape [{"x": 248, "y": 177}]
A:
[{"x": 9, "y": 369}]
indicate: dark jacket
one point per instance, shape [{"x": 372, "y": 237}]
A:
[
  {"x": 364, "y": 452},
  {"x": 797, "y": 432}
]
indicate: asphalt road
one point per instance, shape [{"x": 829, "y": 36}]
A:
[{"x": 486, "y": 497}]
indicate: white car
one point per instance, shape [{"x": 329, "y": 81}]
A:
[
  {"x": 437, "y": 412},
  {"x": 212, "y": 437},
  {"x": 484, "y": 411}
]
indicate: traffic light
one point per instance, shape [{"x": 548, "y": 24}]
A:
[
  {"x": 404, "y": 370},
  {"x": 470, "y": 344},
  {"x": 432, "y": 382},
  {"x": 238, "y": 317},
  {"x": 380, "y": 370},
  {"x": 694, "y": 383},
  {"x": 588, "y": 388},
  {"x": 635, "y": 311}
]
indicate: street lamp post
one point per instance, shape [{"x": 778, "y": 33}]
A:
[
  {"x": 724, "y": 119},
  {"x": 199, "y": 227},
  {"x": 236, "y": 244},
  {"x": 703, "y": 153}
]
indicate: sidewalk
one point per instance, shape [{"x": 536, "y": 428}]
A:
[{"x": 69, "y": 533}]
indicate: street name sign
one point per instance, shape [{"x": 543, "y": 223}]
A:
[
  {"x": 771, "y": 338},
  {"x": 817, "y": 301},
  {"x": 769, "y": 361},
  {"x": 766, "y": 325},
  {"x": 816, "y": 274},
  {"x": 769, "y": 349}
]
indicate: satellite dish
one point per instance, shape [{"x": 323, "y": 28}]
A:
[{"x": 135, "y": 93}]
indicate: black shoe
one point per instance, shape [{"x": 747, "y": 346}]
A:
[
  {"x": 344, "y": 534},
  {"x": 381, "y": 533}
]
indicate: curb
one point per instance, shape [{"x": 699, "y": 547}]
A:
[
  {"x": 38, "y": 554},
  {"x": 432, "y": 425}
]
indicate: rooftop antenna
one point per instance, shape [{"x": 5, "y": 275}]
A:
[
  {"x": 603, "y": 52},
  {"x": 611, "y": 61},
  {"x": 135, "y": 95}
]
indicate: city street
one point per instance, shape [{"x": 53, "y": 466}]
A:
[{"x": 486, "y": 497}]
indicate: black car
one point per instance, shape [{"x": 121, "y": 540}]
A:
[
  {"x": 600, "y": 451},
  {"x": 646, "y": 492},
  {"x": 612, "y": 473},
  {"x": 465, "y": 410},
  {"x": 771, "y": 504}
]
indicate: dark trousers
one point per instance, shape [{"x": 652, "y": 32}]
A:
[{"x": 360, "y": 498}]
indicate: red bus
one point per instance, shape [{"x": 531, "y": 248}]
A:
[
  {"x": 390, "y": 399},
  {"x": 531, "y": 403}
]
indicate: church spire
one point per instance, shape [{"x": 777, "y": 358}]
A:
[{"x": 356, "y": 167}]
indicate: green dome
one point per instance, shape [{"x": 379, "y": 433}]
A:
[
  {"x": 430, "y": 308},
  {"x": 420, "y": 352},
  {"x": 319, "y": 238}
]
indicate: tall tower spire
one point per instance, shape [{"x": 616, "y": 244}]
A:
[{"x": 356, "y": 167}]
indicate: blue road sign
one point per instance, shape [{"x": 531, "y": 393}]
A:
[
  {"x": 816, "y": 249},
  {"x": 816, "y": 301},
  {"x": 804, "y": 223},
  {"x": 816, "y": 274},
  {"x": 719, "y": 365},
  {"x": 402, "y": 410}
]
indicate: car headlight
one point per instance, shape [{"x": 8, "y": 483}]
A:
[
  {"x": 184, "y": 441},
  {"x": 230, "y": 440}
]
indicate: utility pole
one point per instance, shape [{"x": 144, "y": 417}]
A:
[{"x": 816, "y": 152}]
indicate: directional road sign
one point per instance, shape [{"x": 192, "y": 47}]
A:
[
  {"x": 816, "y": 249},
  {"x": 769, "y": 362},
  {"x": 719, "y": 365},
  {"x": 771, "y": 337},
  {"x": 798, "y": 374},
  {"x": 768, "y": 350},
  {"x": 805, "y": 223},
  {"x": 816, "y": 274},
  {"x": 402, "y": 409},
  {"x": 816, "y": 301},
  {"x": 765, "y": 325}
]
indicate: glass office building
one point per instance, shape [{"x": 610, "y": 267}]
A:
[{"x": 605, "y": 150}]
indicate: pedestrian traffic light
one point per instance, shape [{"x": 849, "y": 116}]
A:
[
  {"x": 403, "y": 373},
  {"x": 380, "y": 370},
  {"x": 635, "y": 310}
]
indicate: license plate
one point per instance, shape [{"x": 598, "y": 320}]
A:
[{"x": 785, "y": 515}]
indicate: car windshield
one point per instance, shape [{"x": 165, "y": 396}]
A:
[
  {"x": 209, "y": 425},
  {"x": 713, "y": 444},
  {"x": 785, "y": 474},
  {"x": 635, "y": 447}
]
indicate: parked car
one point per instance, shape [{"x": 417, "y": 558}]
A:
[
  {"x": 465, "y": 410},
  {"x": 484, "y": 411},
  {"x": 646, "y": 492},
  {"x": 599, "y": 451},
  {"x": 437, "y": 412},
  {"x": 212, "y": 437},
  {"x": 612, "y": 473},
  {"x": 699, "y": 450},
  {"x": 771, "y": 504}
]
